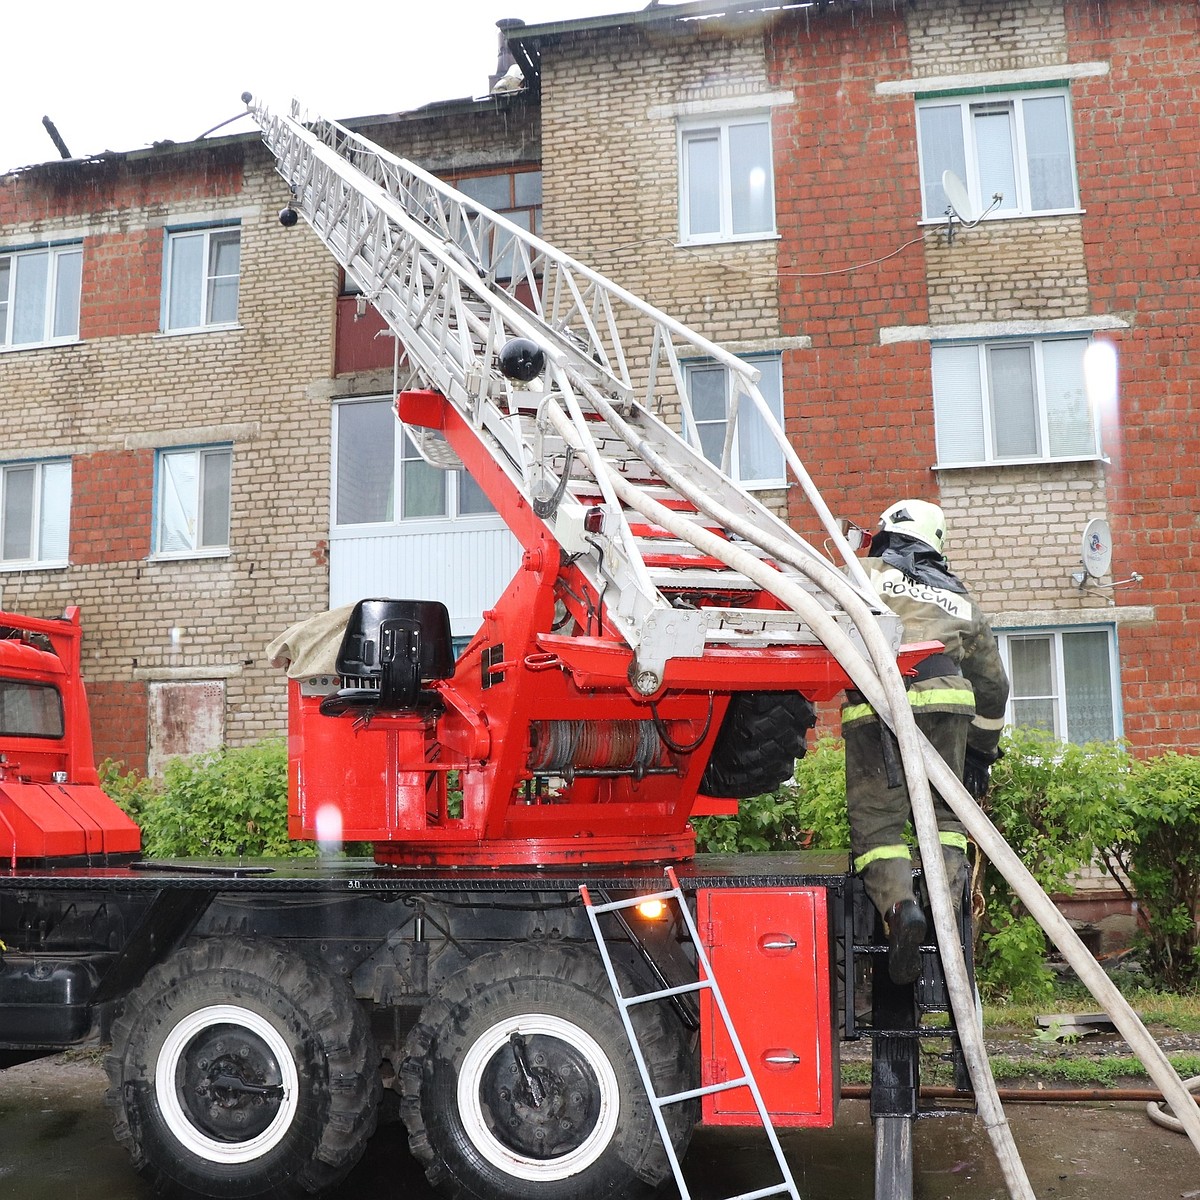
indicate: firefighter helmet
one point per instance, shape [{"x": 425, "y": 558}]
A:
[{"x": 916, "y": 519}]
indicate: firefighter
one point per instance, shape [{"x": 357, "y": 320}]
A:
[{"x": 958, "y": 699}]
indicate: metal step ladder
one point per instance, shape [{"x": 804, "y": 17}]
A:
[
  {"x": 707, "y": 982},
  {"x": 611, "y": 411}
]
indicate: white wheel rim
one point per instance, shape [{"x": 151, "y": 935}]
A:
[
  {"x": 477, "y": 1128},
  {"x": 177, "y": 1119}
]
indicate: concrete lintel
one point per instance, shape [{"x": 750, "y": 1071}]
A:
[
  {"x": 196, "y": 435},
  {"x": 187, "y": 674},
  {"x": 891, "y": 335},
  {"x": 1048, "y": 73}
]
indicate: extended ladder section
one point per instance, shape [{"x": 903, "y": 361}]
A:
[
  {"x": 705, "y": 982},
  {"x": 603, "y": 442}
]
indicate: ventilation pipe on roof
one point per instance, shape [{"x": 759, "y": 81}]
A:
[{"x": 504, "y": 58}]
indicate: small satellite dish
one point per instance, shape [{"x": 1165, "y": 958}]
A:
[
  {"x": 1097, "y": 548},
  {"x": 956, "y": 193}
]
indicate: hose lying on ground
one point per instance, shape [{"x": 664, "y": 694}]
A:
[{"x": 1166, "y": 1120}]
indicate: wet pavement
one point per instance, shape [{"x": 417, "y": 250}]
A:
[{"x": 55, "y": 1144}]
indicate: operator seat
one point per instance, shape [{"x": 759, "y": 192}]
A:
[{"x": 390, "y": 648}]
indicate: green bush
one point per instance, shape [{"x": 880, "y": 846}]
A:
[
  {"x": 131, "y": 790},
  {"x": 1055, "y": 804},
  {"x": 1158, "y": 853},
  {"x": 227, "y": 802}
]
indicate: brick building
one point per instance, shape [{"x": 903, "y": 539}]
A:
[
  {"x": 198, "y": 447},
  {"x": 773, "y": 175}
]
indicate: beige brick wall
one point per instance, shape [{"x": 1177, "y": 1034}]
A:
[
  {"x": 984, "y": 35},
  {"x": 1014, "y": 535},
  {"x": 611, "y": 177},
  {"x": 610, "y": 114},
  {"x": 254, "y": 383},
  {"x": 1008, "y": 271}
]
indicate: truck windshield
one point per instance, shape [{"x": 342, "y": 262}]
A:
[{"x": 30, "y": 709}]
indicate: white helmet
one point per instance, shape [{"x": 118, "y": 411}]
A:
[{"x": 916, "y": 519}]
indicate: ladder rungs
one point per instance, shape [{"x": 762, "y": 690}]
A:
[
  {"x": 632, "y": 902},
  {"x": 711, "y": 1089},
  {"x": 779, "y": 1189},
  {"x": 665, "y": 993}
]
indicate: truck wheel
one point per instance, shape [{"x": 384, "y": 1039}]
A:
[
  {"x": 520, "y": 1085},
  {"x": 760, "y": 739},
  {"x": 239, "y": 1068}
]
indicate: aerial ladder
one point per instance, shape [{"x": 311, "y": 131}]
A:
[
  {"x": 529, "y": 368},
  {"x": 602, "y": 442}
]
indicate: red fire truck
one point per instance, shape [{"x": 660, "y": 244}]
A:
[{"x": 657, "y": 656}]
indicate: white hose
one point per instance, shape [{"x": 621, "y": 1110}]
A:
[{"x": 1155, "y": 1113}]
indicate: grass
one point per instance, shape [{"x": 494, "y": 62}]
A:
[
  {"x": 1073, "y": 1071},
  {"x": 1075, "y": 1064},
  {"x": 1170, "y": 1010}
]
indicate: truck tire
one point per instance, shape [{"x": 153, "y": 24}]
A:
[
  {"x": 760, "y": 739},
  {"x": 239, "y": 1068},
  {"x": 519, "y": 1083}
]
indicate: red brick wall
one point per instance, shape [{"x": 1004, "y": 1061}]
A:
[
  {"x": 861, "y": 412},
  {"x": 55, "y": 192},
  {"x": 119, "y": 714},
  {"x": 1143, "y": 261},
  {"x": 112, "y": 504},
  {"x": 122, "y": 284}
]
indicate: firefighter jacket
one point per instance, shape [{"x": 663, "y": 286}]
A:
[{"x": 933, "y": 614}]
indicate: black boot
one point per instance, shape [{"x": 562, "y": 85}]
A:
[{"x": 905, "y": 925}]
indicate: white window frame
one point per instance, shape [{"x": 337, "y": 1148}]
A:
[
  {"x": 980, "y": 407},
  {"x": 933, "y": 198},
  {"x": 193, "y": 504},
  {"x": 1058, "y": 693},
  {"x": 692, "y": 129},
  {"x": 38, "y": 558},
  {"x": 767, "y": 363},
  {"x": 397, "y": 521},
  {"x": 55, "y": 255},
  {"x": 210, "y": 234}
]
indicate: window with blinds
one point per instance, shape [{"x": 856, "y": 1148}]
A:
[
  {"x": 35, "y": 513},
  {"x": 1016, "y": 400},
  {"x": 1063, "y": 682}
]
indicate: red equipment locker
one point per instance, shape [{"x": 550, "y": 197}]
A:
[{"x": 770, "y": 955}]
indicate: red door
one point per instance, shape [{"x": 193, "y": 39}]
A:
[{"x": 769, "y": 950}]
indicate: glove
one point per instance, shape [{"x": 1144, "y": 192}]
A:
[{"x": 977, "y": 771}]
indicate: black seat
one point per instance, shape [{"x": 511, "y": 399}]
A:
[{"x": 390, "y": 648}]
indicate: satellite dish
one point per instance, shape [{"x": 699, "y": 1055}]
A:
[
  {"x": 1097, "y": 547},
  {"x": 956, "y": 193}
]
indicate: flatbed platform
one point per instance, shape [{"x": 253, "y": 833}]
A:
[{"x": 801, "y": 868}]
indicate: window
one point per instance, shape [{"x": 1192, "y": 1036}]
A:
[
  {"x": 39, "y": 295},
  {"x": 726, "y": 177},
  {"x": 200, "y": 282},
  {"x": 30, "y": 709},
  {"x": 1063, "y": 682},
  {"x": 1018, "y": 145},
  {"x": 755, "y": 457},
  {"x": 1017, "y": 400},
  {"x": 192, "y": 501},
  {"x": 35, "y": 513},
  {"x": 516, "y": 196},
  {"x": 376, "y": 460}
]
